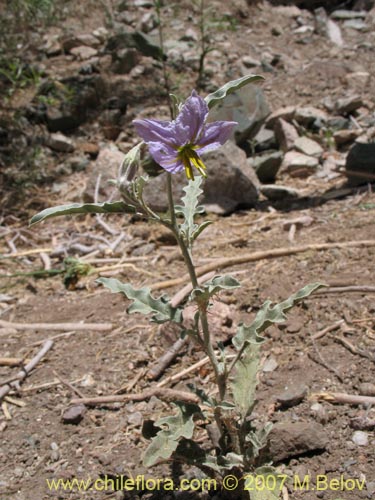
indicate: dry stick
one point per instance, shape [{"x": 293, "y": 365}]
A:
[
  {"x": 24, "y": 253},
  {"x": 69, "y": 385},
  {"x": 267, "y": 254},
  {"x": 168, "y": 357},
  {"x": 328, "y": 329},
  {"x": 342, "y": 398},
  {"x": 11, "y": 361},
  {"x": 21, "y": 375},
  {"x": 168, "y": 395},
  {"x": 100, "y": 327},
  {"x": 353, "y": 349},
  {"x": 47, "y": 385}
]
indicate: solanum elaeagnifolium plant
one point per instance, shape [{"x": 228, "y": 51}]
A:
[{"x": 177, "y": 145}]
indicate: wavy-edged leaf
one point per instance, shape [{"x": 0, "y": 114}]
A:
[
  {"x": 266, "y": 485},
  {"x": 190, "y": 209},
  {"x": 175, "y": 427},
  {"x": 270, "y": 314},
  {"x": 244, "y": 381},
  {"x": 143, "y": 302},
  {"x": 215, "y": 285},
  {"x": 229, "y": 88},
  {"x": 85, "y": 208}
]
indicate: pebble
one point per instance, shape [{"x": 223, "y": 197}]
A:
[
  {"x": 308, "y": 146},
  {"x": 74, "y": 414},
  {"x": 275, "y": 192},
  {"x": 292, "y": 396},
  {"x": 348, "y": 105},
  {"x": 286, "y": 134},
  {"x": 299, "y": 165},
  {"x": 360, "y": 438},
  {"x": 60, "y": 143}
]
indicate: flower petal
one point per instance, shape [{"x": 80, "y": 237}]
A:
[
  {"x": 155, "y": 130},
  {"x": 165, "y": 156},
  {"x": 190, "y": 121},
  {"x": 215, "y": 134}
]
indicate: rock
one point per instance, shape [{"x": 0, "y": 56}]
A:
[
  {"x": 250, "y": 62},
  {"x": 367, "y": 389},
  {"x": 299, "y": 165},
  {"x": 286, "y": 134},
  {"x": 267, "y": 166},
  {"x": 276, "y": 192},
  {"x": 89, "y": 148},
  {"x": 107, "y": 165},
  {"x": 124, "y": 60},
  {"x": 135, "y": 418},
  {"x": 319, "y": 413},
  {"x": 248, "y": 107},
  {"x": 308, "y": 146},
  {"x": 347, "y": 105},
  {"x": 90, "y": 40},
  {"x": 288, "y": 439},
  {"x": 343, "y": 14},
  {"x": 111, "y": 123},
  {"x": 309, "y": 116},
  {"x": 360, "y": 438},
  {"x": 270, "y": 365},
  {"x": 83, "y": 52},
  {"x": 74, "y": 414},
  {"x": 72, "y": 100},
  {"x": 360, "y": 163},
  {"x": 292, "y": 396},
  {"x": 356, "y": 24},
  {"x": 264, "y": 140},
  {"x": 358, "y": 80},
  {"x": 60, "y": 143},
  {"x": 343, "y": 137},
  {"x": 334, "y": 33},
  {"x": 230, "y": 183},
  {"x": 285, "y": 113}
]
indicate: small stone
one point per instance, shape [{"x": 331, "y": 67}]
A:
[
  {"x": 308, "y": 146},
  {"x": 135, "y": 418},
  {"x": 266, "y": 166},
  {"x": 356, "y": 24},
  {"x": 270, "y": 365},
  {"x": 276, "y": 192},
  {"x": 358, "y": 80},
  {"x": 74, "y": 414},
  {"x": 348, "y": 104},
  {"x": 290, "y": 439},
  {"x": 60, "y": 143},
  {"x": 367, "y": 389},
  {"x": 360, "y": 163},
  {"x": 83, "y": 52},
  {"x": 90, "y": 40},
  {"x": 345, "y": 136},
  {"x": 286, "y": 134},
  {"x": 309, "y": 116},
  {"x": 319, "y": 413},
  {"x": 250, "y": 62},
  {"x": 264, "y": 140},
  {"x": 276, "y": 30},
  {"x": 285, "y": 113},
  {"x": 144, "y": 250},
  {"x": 292, "y": 396},
  {"x": 125, "y": 60},
  {"x": 360, "y": 438},
  {"x": 299, "y": 165},
  {"x": 55, "y": 455},
  {"x": 343, "y": 14},
  {"x": 334, "y": 33}
]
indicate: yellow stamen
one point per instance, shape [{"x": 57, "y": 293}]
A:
[{"x": 191, "y": 159}]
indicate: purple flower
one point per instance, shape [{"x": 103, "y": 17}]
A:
[{"x": 178, "y": 144}]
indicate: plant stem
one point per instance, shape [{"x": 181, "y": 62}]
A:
[{"x": 208, "y": 347}]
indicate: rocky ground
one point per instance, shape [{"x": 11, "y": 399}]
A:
[{"x": 298, "y": 172}]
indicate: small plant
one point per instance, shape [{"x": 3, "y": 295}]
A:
[
  {"x": 176, "y": 146},
  {"x": 17, "y": 75}
]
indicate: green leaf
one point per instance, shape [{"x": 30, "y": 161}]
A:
[
  {"x": 269, "y": 315},
  {"x": 229, "y": 88},
  {"x": 86, "y": 208},
  {"x": 143, "y": 302},
  {"x": 248, "y": 340},
  {"x": 270, "y": 479},
  {"x": 190, "y": 209},
  {"x": 174, "y": 428},
  {"x": 245, "y": 381},
  {"x": 258, "y": 440},
  {"x": 214, "y": 286}
]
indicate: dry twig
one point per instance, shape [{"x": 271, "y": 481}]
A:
[
  {"x": 168, "y": 395},
  {"x": 100, "y": 327},
  {"x": 342, "y": 398},
  {"x": 22, "y": 374}
]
